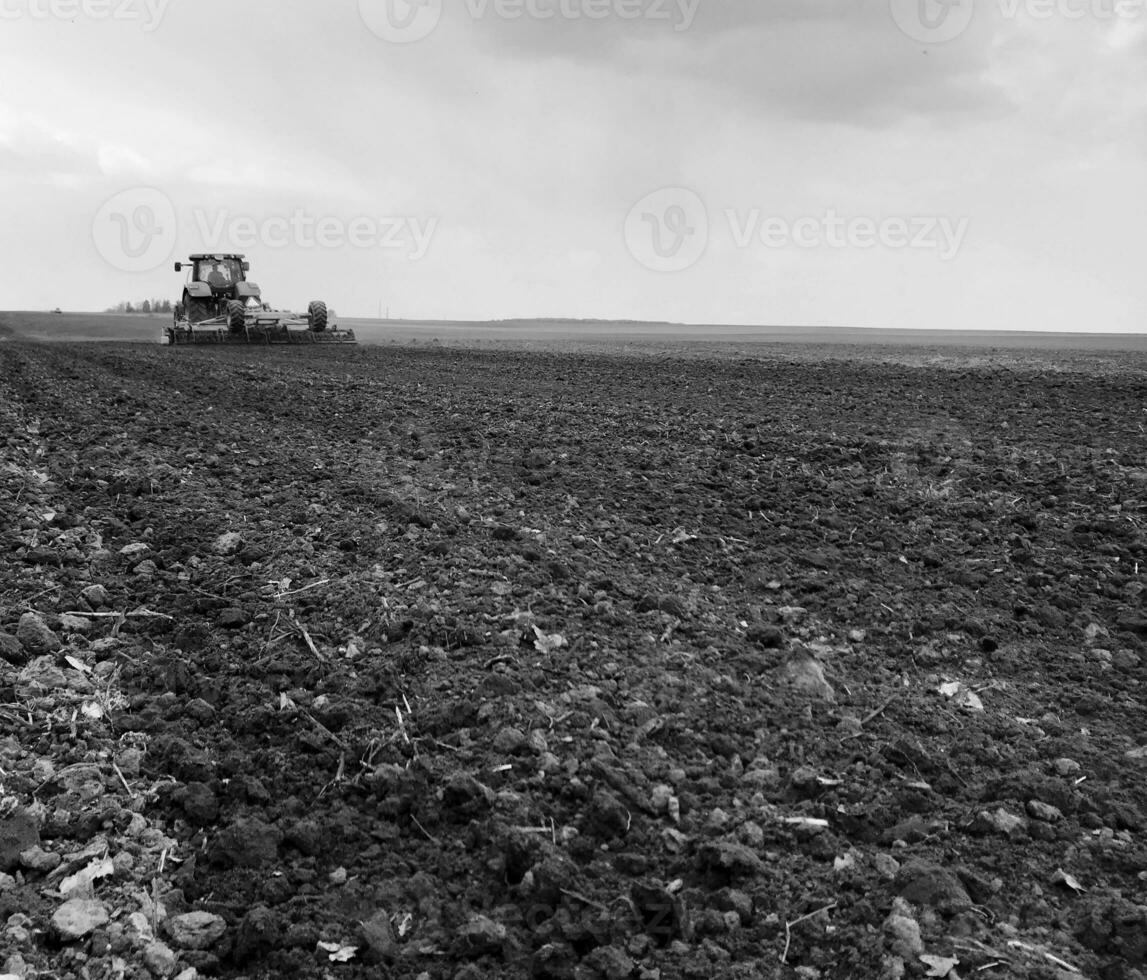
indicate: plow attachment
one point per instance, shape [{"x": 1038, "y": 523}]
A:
[
  {"x": 206, "y": 334},
  {"x": 260, "y": 328}
]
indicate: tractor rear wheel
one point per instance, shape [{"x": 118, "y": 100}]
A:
[
  {"x": 236, "y": 316},
  {"x": 317, "y": 313},
  {"x": 197, "y": 310}
]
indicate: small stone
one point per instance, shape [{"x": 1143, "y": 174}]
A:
[
  {"x": 930, "y": 885},
  {"x": 805, "y": 674},
  {"x": 607, "y": 816},
  {"x": 200, "y": 710},
  {"x": 199, "y": 804},
  {"x": 660, "y": 798},
  {"x": 511, "y": 741},
  {"x": 761, "y": 778},
  {"x": 850, "y": 725},
  {"x": 129, "y": 762},
  {"x": 730, "y": 858},
  {"x": 1066, "y": 767},
  {"x": 805, "y": 780},
  {"x": 159, "y": 959},
  {"x": 737, "y": 902},
  {"x": 999, "y": 822},
  {"x": 767, "y": 637},
  {"x": 232, "y": 618},
  {"x": 717, "y": 820},
  {"x": 466, "y": 795},
  {"x": 78, "y": 918},
  {"x": 138, "y": 929},
  {"x": 669, "y": 604},
  {"x": 75, "y": 624},
  {"x": 246, "y": 844},
  {"x": 662, "y": 914},
  {"x": 378, "y": 933},
  {"x": 504, "y": 532},
  {"x": 7, "y": 883},
  {"x": 480, "y": 936},
  {"x": 96, "y": 597},
  {"x": 611, "y": 963},
  {"x": 196, "y": 930},
  {"x": 1050, "y": 617},
  {"x": 903, "y": 931},
  {"x": 1044, "y": 811},
  {"x": 228, "y": 544},
  {"x": 37, "y": 859},
  {"x": 12, "y": 650},
  {"x": 18, "y": 832},
  {"x": 35, "y": 637},
  {"x": 1127, "y": 660},
  {"x": 886, "y": 866},
  {"x": 791, "y": 614},
  {"x": 260, "y": 931},
  {"x": 751, "y": 834}
]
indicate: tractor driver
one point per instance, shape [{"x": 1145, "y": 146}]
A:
[{"x": 215, "y": 273}]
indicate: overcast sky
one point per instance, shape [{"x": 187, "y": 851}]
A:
[{"x": 964, "y": 164}]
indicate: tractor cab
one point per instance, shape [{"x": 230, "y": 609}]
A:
[
  {"x": 219, "y": 272},
  {"x": 213, "y": 282}
]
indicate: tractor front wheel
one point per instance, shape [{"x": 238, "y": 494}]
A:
[
  {"x": 317, "y": 313},
  {"x": 236, "y": 316}
]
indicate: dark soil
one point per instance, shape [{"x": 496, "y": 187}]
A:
[{"x": 448, "y": 663}]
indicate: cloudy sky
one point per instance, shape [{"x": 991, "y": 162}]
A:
[{"x": 961, "y": 164}]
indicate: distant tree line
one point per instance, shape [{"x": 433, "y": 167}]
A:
[{"x": 147, "y": 306}]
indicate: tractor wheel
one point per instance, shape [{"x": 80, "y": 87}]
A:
[
  {"x": 236, "y": 316},
  {"x": 317, "y": 312},
  {"x": 196, "y": 310}
]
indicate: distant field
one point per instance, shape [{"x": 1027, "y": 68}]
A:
[
  {"x": 628, "y": 331},
  {"x": 85, "y": 326},
  {"x": 1102, "y": 353}
]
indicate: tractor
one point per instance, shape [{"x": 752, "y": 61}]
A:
[{"x": 221, "y": 306}]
